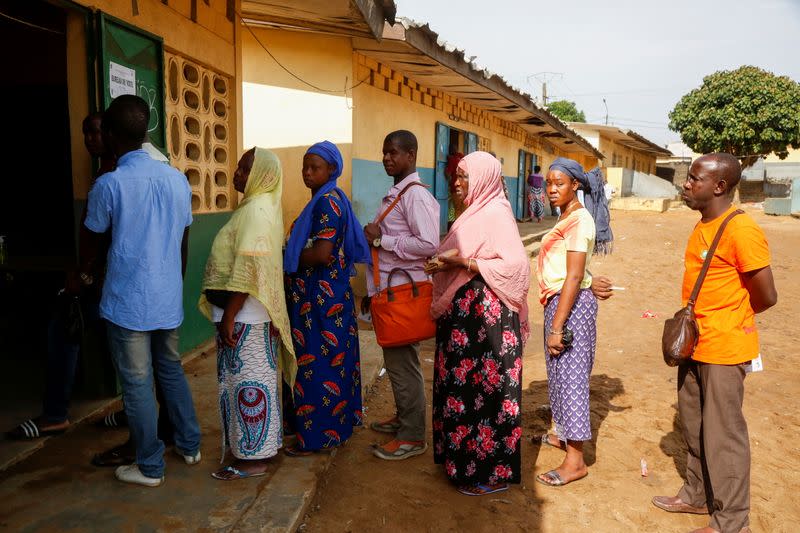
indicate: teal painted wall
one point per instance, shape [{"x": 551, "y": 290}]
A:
[
  {"x": 370, "y": 184},
  {"x": 196, "y": 328}
]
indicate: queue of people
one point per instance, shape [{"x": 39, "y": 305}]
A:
[{"x": 288, "y": 360}]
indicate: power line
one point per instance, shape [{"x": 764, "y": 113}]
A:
[
  {"x": 30, "y": 24},
  {"x": 292, "y": 74}
]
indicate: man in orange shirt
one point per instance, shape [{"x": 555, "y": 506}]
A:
[{"x": 738, "y": 285}]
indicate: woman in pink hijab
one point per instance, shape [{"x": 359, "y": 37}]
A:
[{"x": 480, "y": 286}]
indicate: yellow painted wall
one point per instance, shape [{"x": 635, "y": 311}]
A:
[
  {"x": 78, "y": 98},
  {"x": 378, "y": 112},
  {"x": 645, "y": 162},
  {"x": 210, "y": 40},
  {"x": 287, "y": 116},
  {"x": 793, "y": 157}
]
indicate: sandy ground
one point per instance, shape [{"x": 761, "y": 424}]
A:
[{"x": 633, "y": 402}]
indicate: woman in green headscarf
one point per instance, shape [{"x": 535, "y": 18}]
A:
[{"x": 243, "y": 295}]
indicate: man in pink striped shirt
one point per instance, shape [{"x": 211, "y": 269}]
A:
[{"x": 405, "y": 238}]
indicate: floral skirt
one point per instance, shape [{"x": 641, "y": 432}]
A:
[{"x": 477, "y": 390}]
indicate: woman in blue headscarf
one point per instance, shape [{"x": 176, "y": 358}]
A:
[
  {"x": 570, "y": 311},
  {"x": 324, "y": 243}
]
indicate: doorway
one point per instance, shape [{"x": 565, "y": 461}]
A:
[{"x": 38, "y": 219}]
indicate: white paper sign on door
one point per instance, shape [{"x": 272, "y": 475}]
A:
[{"x": 122, "y": 80}]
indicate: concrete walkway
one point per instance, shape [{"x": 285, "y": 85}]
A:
[
  {"x": 56, "y": 488},
  {"x": 531, "y": 233}
]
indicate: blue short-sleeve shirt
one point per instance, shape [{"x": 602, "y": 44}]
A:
[{"x": 147, "y": 205}]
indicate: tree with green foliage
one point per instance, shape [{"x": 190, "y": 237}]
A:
[
  {"x": 746, "y": 112},
  {"x": 566, "y": 111}
]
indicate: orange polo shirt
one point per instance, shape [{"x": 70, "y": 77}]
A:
[{"x": 728, "y": 334}]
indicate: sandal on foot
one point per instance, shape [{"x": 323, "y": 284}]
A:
[
  {"x": 235, "y": 474},
  {"x": 32, "y": 429},
  {"x": 117, "y": 419},
  {"x": 387, "y": 426},
  {"x": 554, "y": 479},
  {"x": 481, "y": 489},
  {"x": 544, "y": 440},
  {"x": 121, "y": 455}
]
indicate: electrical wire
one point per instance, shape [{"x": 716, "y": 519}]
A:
[
  {"x": 30, "y": 24},
  {"x": 292, "y": 74}
]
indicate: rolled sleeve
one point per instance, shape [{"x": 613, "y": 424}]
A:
[{"x": 99, "y": 208}]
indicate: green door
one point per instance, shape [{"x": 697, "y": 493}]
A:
[{"x": 132, "y": 62}]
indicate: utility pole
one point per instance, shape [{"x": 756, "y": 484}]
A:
[
  {"x": 605, "y": 104},
  {"x": 544, "y": 77}
]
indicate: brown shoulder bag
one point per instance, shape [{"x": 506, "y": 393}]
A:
[{"x": 681, "y": 332}]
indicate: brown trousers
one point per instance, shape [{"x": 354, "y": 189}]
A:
[
  {"x": 718, "y": 459},
  {"x": 408, "y": 386}
]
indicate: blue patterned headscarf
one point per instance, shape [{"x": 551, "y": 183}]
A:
[
  {"x": 594, "y": 199},
  {"x": 356, "y": 248}
]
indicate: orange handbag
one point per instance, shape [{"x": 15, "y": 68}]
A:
[{"x": 401, "y": 314}]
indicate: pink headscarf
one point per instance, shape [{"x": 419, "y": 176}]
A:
[{"x": 487, "y": 232}]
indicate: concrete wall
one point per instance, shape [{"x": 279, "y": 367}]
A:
[
  {"x": 674, "y": 172},
  {"x": 621, "y": 179},
  {"x": 287, "y": 116},
  {"x": 650, "y": 186}
]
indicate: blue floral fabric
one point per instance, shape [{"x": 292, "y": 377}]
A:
[{"x": 327, "y": 391}]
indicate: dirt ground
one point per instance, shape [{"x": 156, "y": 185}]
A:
[{"x": 633, "y": 401}]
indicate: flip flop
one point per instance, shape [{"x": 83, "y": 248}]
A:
[
  {"x": 30, "y": 430},
  {"x": 295, "y": 451},
  {"x": 555, "y": 479},
  {"x": 237, "y": 474},
  {"x": 481, "y": 489},
  {"x": 117, "y": 419},
  {"x": 544, "y": 440}
]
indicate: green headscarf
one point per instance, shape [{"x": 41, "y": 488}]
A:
[{"x": 247, "y": 252}]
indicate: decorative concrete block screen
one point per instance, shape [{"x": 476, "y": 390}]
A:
[{"x": 198, "y": 132}]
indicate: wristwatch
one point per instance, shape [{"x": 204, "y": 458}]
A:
[{"x": 376, "y": 242}]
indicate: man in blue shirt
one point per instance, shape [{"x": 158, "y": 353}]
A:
[{"x": 147, "y": 206}]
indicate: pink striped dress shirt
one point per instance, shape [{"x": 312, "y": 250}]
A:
[{"x": 409, "y": 233}]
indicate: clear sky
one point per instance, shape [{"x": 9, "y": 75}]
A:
[{"x": 640, "y": 55}]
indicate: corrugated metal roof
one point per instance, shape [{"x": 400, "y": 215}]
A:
[{"x": 417, "y": 51}]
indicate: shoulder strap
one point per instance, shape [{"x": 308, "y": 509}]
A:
[
  {"x": 709, "y": 256},
  {"x": 376, "y": 272},
  {"x": 394, "y": 203}
]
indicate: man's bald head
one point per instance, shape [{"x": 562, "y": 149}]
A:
[{"x": 724, "y": 167}]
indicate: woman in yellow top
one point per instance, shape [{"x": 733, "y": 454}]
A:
[
  {"x": 570, "y": 314},
  {"x": 243, "y": 295}
]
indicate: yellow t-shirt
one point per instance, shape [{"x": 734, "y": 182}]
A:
[
  {"x": 576, "y": 233},
  {"x": 728, "y": 334}
]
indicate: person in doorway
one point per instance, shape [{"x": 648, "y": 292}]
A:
[
  {"x": 63, "y": 348},
  {"x": 480, "y": 303},
  {"x": 406, "y": 237},
  {"x": 738, "y": 285},
  {"x": 570, "y": 318},
  {"x": 242, "y": 294},
  {"x": 454, "y": 206},
  {"x": 147, "y": 206},
  {"x": 325, "y": 243},
  {"x": 536, "y": 194}
]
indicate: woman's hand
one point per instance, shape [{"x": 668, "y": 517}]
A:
[
  {"x": 225, "y": 329},
  {"x": 554, "y": 344},
  {"x": 442, "y": 263},
  {"x": 601, "y": 287}
]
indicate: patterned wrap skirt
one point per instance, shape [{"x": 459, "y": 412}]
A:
[
  {"x": 249, "y": 400},
  {"x": 477, "y": 391},
  {"x": 568, "y": 374},
  {"x": 536, "y": 202}
]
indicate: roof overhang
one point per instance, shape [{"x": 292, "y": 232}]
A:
[
  {"x": 627, "y": 138},
  {"x": 356, "y": 18},
  {"x": 415, "y": 50}
]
